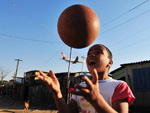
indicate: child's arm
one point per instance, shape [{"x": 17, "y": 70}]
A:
[
  {"x": 121, "y": 105},
  {"x": 54, "y": 86}
]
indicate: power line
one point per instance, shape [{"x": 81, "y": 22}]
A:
[
  {"x": 25, "y": 12},
  {"x": 53, "y": 56},
  {"x": 125, "y": 13},
  {"x": 130, "y": 36},
  {"x": 34, "y": 40},
  {"x": 133, "y": 44},
  {"x": 125, "y": 22},
  {"x": 49, "y": 59}
]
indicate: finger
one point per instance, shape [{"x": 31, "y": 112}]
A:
[
  {"x": 36, "y": 73},
  {"x": 80, "y": 87},
  {"x": 43, "y": 74},
  {"x": 45, "y": 78},
  {"x": 87, "y": 81},
  {"x": 40, "y": 76},
  {"x": 76, "y": 93},
  {"x": 52, "y": 74},
  {"x": 94, "y": 76},
  {"x": 80, "y": 92}
]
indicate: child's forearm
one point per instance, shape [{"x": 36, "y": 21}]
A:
[
  {"x": 101, "y": 106},
  {"x": 61, "y": 104}
]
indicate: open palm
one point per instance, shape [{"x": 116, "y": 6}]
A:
[{"x": 52, "y": 82}]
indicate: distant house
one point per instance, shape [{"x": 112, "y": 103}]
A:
[
  {"x": 137, "y": 76},
  {"x": 38, "y": 93}
]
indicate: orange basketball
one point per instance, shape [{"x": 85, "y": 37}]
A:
[{"x": 78, "y": 26}]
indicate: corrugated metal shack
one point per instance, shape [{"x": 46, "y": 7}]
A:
[
  {"x": 137, "y": 75},
  {"x": 38, "y": 93}
]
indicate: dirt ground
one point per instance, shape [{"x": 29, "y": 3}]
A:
[{"x": 10, "y": 105}]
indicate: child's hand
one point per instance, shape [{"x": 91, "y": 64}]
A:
[
  {"x": 52, "y": 82},
  {"x": 91, "y": 91}
]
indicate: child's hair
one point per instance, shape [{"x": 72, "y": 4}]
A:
[{"x": 108, "y": 51}]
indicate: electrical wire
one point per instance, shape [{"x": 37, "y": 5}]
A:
[
  {"x": 131, "y": 44},
  {"x": 125, "y": 13},
  {"x": 130, "y": 36},
  {"x": 49, "y": 59},
  {"x": 125, "y": 22},
  {"x": 21, "y": 38},
  {"x": 27, "y": 13}
]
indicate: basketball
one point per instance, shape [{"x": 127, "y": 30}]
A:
[{"x": 78, "y": 26}]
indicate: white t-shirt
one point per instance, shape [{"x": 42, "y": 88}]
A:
[{"x": 110, "y": 89}]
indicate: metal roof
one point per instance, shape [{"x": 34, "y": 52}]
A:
[{"x": 132, "y": 63}]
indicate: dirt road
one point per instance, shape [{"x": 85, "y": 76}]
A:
[{"x": 10, "y": 105}]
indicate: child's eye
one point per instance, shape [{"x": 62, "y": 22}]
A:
[{"x": 88, "y": 54}]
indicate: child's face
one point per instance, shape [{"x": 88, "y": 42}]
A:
[{"x": 97, "y": 58}]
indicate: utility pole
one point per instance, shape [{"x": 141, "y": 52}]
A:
[
  {"x": 68, "y": 78},
  {"x": 16, "y": 68}
]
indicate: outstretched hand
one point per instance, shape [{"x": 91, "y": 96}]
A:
[
  {"x": 91, "y": 91},
  {"x": 52, "y": 82}
]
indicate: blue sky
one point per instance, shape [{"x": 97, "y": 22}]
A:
[{"x": 28, "y": 31}]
